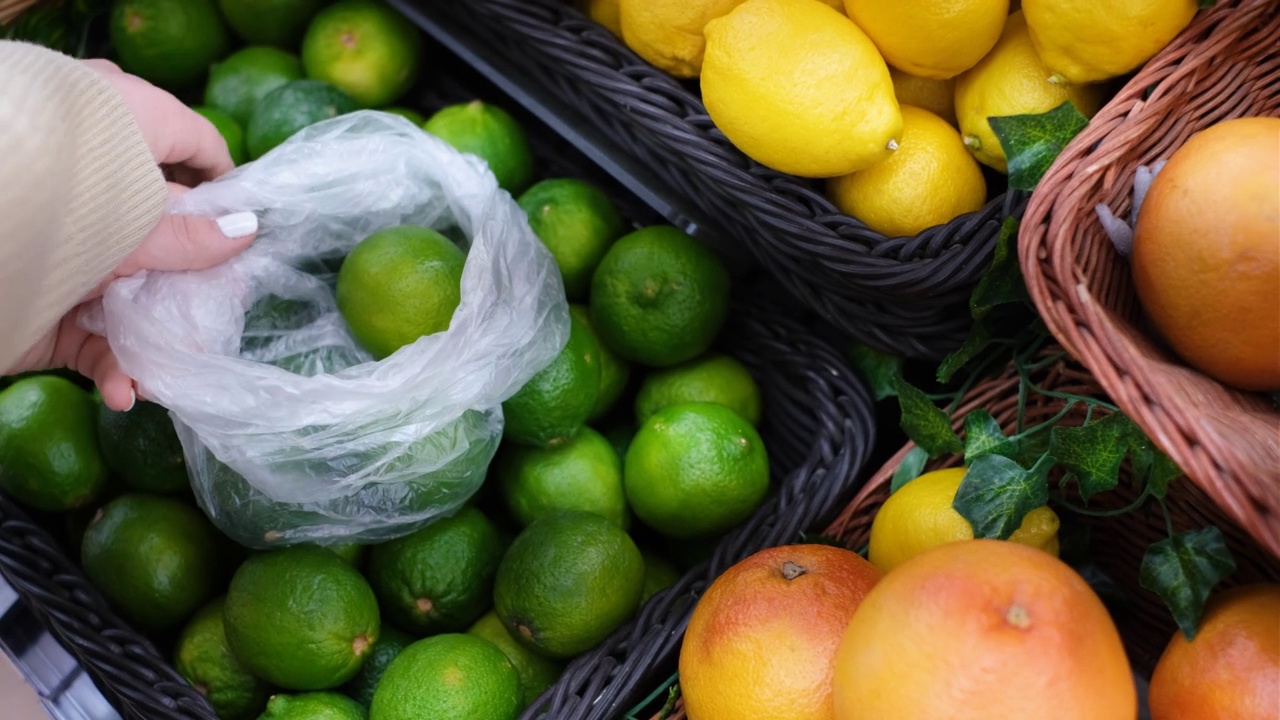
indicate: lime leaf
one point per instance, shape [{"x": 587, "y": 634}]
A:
[
  {"x": 1002, "y": 282},
  {"x": 1093, "y": 452},
  {"x": 1183, "y": 569},
  {"x": 980, "y": 336},
  {"x": 925, "y": 423},
  {"x": 1033, "y": 142},
  {"x": 910, "y": 468},
  {"x": 1150, "y": 465},
  {"x": 878, "y": 369},
  {"x": 996, "y": 493},
  {"x": 983, "y": 436}
]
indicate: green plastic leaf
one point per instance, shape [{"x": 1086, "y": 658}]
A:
[
  {"x": 1183, "y": 569},
  {"x": 997, "y": 493},
  {"x": 910, "y": 468},
  {"x": 980, "y": 336},
  {"x": 925, "y": 423},
  {"x": 878, "y": 370},
  {"x": 1032, "y": 142},
  {"x": 1206, "y": 4},
  {"x": 1002, "y": 283},
  {"x": 983, "y": 436},
  {"x": 1150, "y": 464},
  {"x": 1093, "y": 452}
]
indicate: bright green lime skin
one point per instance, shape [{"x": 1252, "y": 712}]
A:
[
  {"x": 440, "y": 578},
  {"x": 168, "y": 42},
  {"x": 49, "y": 456},
  {"x": 301, "y": 618},
  {"x": 141, "y": 447},
  {"x": 711, "y": 378},
  {"x": 313, "y": 706},
  {"x": 230, "y": 130},
  {"x": 270, "y": 22},
  {"x": 290, "y": 108},
  {"x": 577, "y": 223},
  {"x": 490, "y": 133},
  {"x": 388, "y": 648},
  {"x": 453, "y": 676},
  {"x": 615, "y": 372},
  {"x": 154, "y": 558},
  {"x": 659, "y": 297},
  {"x": 536, "y": 672},
  {"x": 584, "y": 473},
  {"x": 409, "y": 114},
  {"x": 243, "y": 78},
  {"x": 366, "y": 48},
  {"x": 204, "y": 660},
  {"x": 554, "y": 405}
]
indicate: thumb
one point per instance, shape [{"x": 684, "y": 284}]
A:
[{"x": 188, "y": 242}]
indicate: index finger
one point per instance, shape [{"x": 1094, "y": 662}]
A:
[{"x": 192, "y": 141}]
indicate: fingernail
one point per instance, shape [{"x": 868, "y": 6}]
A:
[
  {"x": 238, "y": 225},
  {"x": 133, "y": 399}
]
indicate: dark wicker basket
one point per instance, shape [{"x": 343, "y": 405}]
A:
[{"x": 904, "y": 295}]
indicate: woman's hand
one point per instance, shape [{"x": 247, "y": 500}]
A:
[{"x": 189, "y": 150}]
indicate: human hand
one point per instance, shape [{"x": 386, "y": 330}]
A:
[{"x": 189, "y": 150}]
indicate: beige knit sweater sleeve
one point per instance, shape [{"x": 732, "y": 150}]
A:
[{"x": 79, "y": 189}]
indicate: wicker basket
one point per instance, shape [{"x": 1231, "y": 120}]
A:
[
  {"x": 1226, "y": 65},
  {"x": 905, "y": 294}
]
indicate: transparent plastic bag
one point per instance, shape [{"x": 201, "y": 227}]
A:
[{"x": 291, "y": 431}]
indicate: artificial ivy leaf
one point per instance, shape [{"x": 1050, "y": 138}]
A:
[
  {"x": 983, "y": 436},
  {"x": 878, "y": 370},
  {"x": 1183, "y": 569},
  {"x": 1206, "y": 4},
  {"x": 910, "y": 468},
  {"x": 997, "y": 493},
  {"x": 1033, "y": 142},
  {"x": 980, "y": 336},
  {"x": 1150, "y": 464},
  {"x": 1002, "y": 282},
  {"x": 925, "y": 423},
  {"x": 1093, "y": 452}
]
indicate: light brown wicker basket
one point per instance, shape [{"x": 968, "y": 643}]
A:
[
  {"x": 1226, "y": 65},
  {"x": 10, "y": 9}
]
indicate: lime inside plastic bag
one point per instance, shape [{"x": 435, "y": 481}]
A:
[{"x": 291, "y": 431}]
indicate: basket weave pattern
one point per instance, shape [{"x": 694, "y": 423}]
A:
[{"x": 1226, "y": 65}]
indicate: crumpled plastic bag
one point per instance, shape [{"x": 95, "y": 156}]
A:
[{"x": 290, "y": 430}]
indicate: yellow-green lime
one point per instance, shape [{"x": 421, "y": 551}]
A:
[
  {"x": 154, "y": 558},
  {"x": 577, "y": 223},
  {"x": 301, "y": 618},
  {"x": 365, "y": 48},
  {"x": 238, "y": 82},
  {"x": 536, "y": 672},
  {"x": 659, "y": 297},
  {"x": 491, "y": 134},
  {"x": 567, "y": 582},
  {"x": 313, "y": 706},
  {"x": 270, "y": 22},
  {"x": 454, "y": 676},
  {"x": 290, "y": 108},
  {"x": 584, "y": 473},
  {"x": 230, "y": 130},
  {"x": 659, "y": 574},
  {"x": 554, "y": 405},
  {"x": 615, "y": 372},
  {"x": 168, "y": 42},
  {"x": 353, "y": 553},
  {"x": 390, "y": 644},
  {"x": 400, "y": 284},
  {"x": 695, "y": 469},
  {"x": 49, "y": 456},
  {"x": 409, "y": 114},
  {"x": 203, "y": 658},
  {"x": 713, "y": 378},
  {"x": 440, "y": 578}
]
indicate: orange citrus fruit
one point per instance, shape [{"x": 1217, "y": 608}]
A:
[
  {"x": 762, "y": 639},
  {"x": 981, "y": 629},
  {"x": 1232, "y": 667},
  {"x": 1206, "y": 252}
]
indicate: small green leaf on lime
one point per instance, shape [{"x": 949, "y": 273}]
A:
[
  {"x": 1033, "y": 142},
  {"x": 997, "y": 493},
  {"x": 910, "y": 468},
  {"x": 1183, "y": 569},
  {"x": 925, "y": 423},
  {"x": 877, "y": 369},
  {"x": 1093, "y": 452}
]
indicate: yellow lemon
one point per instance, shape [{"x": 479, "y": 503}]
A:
[
  {"x": 919, "y": 517},
  {"x": 936, "y": 96},
  {"x": 1011, "y": 80},
  {"x": 605, "y": 12},
  {"x": 798, "y": 87},
  {"x": 928, "y": 38},
  {"x": 931, "y": 179},
  {"x": 1084, "y": 41},
  {"x": 668, "y": 33},
  {"x": 837, "y": 4}
]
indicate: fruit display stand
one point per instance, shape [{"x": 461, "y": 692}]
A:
[
  {"x": 902, "y": 294},
  {"x": 1225, "y": 65}
]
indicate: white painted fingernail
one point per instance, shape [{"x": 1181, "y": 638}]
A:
[
  {"x": 238, "y": 225},
  {"x": 133, "y": 399}
]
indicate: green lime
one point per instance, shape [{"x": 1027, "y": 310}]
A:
[
  {"x": 584, "y": 473},
  {"x": 142, "y": 448},
  {"x": 453, "y": 676},
  {"x": 615, "y": 372},
  {"x": 491, "y": 134},
  {"x": 412, "y": 116},
  {"x": 168, "y": 42},
  {"x": 270, "y": 22},
  {"x": 659, "y": 297},
  {"x": 313, "y": 706},
  {"x": 536, "y": 672},
  {"x": 155, "y": 558},
  {"x": 567, "y": 582},
  {"x": 440, "y": 578},
  {"x": 290, "y": 108},
  {"x": 659, "y": 574},
  {"x": 388, "y": 647},
  {"x": 230, "y": 131},
  {"x": 353, "y": 553},
  {"x": 620, "y": 438},
  {"x": 553, "y": 406},
  {"x": 203, "y": 658},
  {"x": 366, "y": 48},
  {"x": 577, "y": 223},
  {"x": 695, "y": 469},
  {"x": 243, "y": 78},
  {"x": 398, "y": 285},
  {"x": 49, "y": 456},
  {"x": 712, "y": 378},
  {"x": 301, "y": 618}
]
